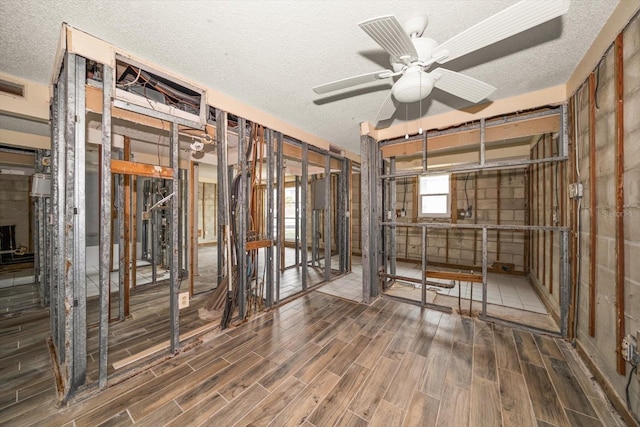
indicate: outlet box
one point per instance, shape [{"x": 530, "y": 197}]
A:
[
  {"x": 183, "y": 300},
  {"x": 575, "y": 190}
]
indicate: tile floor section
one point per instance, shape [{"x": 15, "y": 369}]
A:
[{"x": 506, "y": 290}]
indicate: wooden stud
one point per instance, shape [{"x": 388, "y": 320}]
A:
[
  {"x": 593, "y": 228},
  {"x": 620, "y": 326}
]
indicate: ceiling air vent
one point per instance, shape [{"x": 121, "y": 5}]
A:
[{"x": 11, "y": 88}]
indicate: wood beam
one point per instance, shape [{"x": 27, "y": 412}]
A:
[
  {"x": 451, "y": 275},
  {"x": 469, "y": 138},
  {"x": 125, "y": 167},
  {"x": 593, "y": 223},
  {"x": 313, "y": 158},
  {"x": 620, "y": 324}
]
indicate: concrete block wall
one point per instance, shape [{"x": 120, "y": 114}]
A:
[
  {"x": 601, "y": 347},
  {"x": 458, "y": 246},
  {"x": 15, "y": 205}
]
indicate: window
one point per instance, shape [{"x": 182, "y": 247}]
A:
[{"x": 433, "y": 196}]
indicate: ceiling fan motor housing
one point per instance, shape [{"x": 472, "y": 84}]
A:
[{"x": 413, "y": 86}]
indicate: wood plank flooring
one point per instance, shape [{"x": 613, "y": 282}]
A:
[{"x": 320, "y": 361}]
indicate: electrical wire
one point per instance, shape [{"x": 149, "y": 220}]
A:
[
  {"x": 635, "y": 367},
  {"x": 466, "y": 195},
  {"x": 404, "y": 197}
]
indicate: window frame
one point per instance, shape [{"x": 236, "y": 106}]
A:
[{"x": 420, "y": 195}]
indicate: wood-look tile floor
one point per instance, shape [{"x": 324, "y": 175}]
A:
[{"x": 322, "y": 361}]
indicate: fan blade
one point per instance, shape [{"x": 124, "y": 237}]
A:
[
  {"x": 387, "y": 109},
  {"x": 461, "y": 85},
  {"x": 512, "y": 20},
  {"x": 388, "y": 33},
  {"x": 351, "y": 81}
]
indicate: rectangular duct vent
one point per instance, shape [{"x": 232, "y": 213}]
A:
[{"x": 11, "y": 88}]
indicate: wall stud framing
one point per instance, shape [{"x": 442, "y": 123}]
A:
[
  {"x": 620, "y": 291},
  {"x": 369, "y": 261},
  {"x": 242, "y": 212},
  {"x": 280, "y": 176},
  {"x": 304, "y": 195},
  {"x": 593, "y": 223},
  {"x": 270, "y": 211},
  {"x": 174, "y": 274},
  {"x": 327, "y": 218},
  {"x": 105, "y": 225}
]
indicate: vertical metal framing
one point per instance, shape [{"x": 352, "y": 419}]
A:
[
  {"x": 121, "y": 242},
  {"x": 386, "y": 214},
  {"x": 280, "y": 176},
  {"x": 482, "y": 142},
  {"x": 303, "y": 213},
  {"x": 425, "y": 164},
  {"x": 57, "y": 212},
  {"x": 73, "y": 235},
  {"x": 423, "y": 276},
  {"x": 183, "y": 212},
  {"x": 376, "y": 214},
  {"x": 221, "y": 149},
  {"x": 565, "y": 283},
  {"x": 105, "y": 226},
  {"x": 39, "y": 240},
  {"x": 565, "y": 275},
  {"x": 368, "y": 208},
  {"x": 241, "y": 220},
  {"x": 392, "y": 195},
  {"x": 193, "y": 224},
  {"x": 174, "y": 242},
  {"x": 343, "y": 217},
  {"x": 224, "y": 219},
  {"x": 484, "y": 272},
  {"x": 297, "y": 219},
  {"x": 269, "y": 209},
  {"x": 327, "y": 217}
]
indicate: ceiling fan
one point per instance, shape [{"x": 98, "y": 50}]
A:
[{"x": 413, "y": 56}]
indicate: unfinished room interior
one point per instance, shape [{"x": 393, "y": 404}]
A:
[{"x": 219, "y": 213}]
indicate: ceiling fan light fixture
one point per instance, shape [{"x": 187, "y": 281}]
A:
[{"x": 413, "y": 86}]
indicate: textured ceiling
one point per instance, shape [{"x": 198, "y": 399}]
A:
[{"x": 269, "y": 54}]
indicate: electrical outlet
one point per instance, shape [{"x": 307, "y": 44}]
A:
[
  {"x": 183, "y": 300},
  {"x": 575, "y": 190}
]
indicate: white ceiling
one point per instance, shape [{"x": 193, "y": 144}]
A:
[{"x": 269, "y": 54}]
